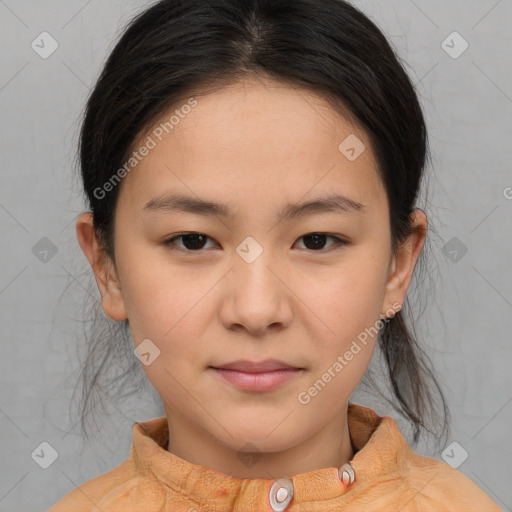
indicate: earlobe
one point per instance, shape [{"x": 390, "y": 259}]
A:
[
  {"x": 404, "y": 260},
  {"x": 102, "y": 266}
]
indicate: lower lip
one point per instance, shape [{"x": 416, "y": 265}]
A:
[{"x": 257, "y": 381}]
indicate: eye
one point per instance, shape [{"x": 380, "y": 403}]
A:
[
  {"x": 316, "y": 241},
  {"x": 194, "y": 242}
]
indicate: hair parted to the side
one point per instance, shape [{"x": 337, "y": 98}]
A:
[{"x": 177, "y": 48}]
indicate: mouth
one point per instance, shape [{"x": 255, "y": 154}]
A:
[
  {"x": 263, "y": 376},
  {"x": 269, "y": 365}
]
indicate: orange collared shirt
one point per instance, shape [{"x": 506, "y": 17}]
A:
[{"x": 389, "y": 476}]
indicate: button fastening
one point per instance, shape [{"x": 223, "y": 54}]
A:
[
  {"x": 347, "y": 474},
  {"x": 280, "y": 494}
]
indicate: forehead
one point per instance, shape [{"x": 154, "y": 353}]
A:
[{"x": 259, "y": 141}]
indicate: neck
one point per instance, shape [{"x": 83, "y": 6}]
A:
[{"x": 329, "y": 447}]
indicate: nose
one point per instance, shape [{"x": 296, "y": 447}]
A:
[{"x": 257, "y": 296}]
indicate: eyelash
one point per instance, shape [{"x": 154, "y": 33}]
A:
[{"x": 169, "y": 243}]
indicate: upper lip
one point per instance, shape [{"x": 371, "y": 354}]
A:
[{"x": 251, "y": 367}]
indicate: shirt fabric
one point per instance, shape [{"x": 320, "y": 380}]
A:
[{"x": 389, "y": 476}]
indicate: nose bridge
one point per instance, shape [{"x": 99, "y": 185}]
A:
[
  {"x": 251, "y": 266},
  {"x": 257, "y": 293}
]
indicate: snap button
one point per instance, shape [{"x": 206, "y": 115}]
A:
[
  {"x": 280, "y": 494},
  {"x": 347, "y": 474}
]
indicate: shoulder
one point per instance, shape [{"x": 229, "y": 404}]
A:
[
  {"x": 434, "y": 485},
  {"x": 86, "y": 496}
]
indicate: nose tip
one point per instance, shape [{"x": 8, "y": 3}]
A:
[{"x": 258, "y": 298}]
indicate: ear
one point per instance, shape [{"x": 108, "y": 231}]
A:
[
  {"x": 102, "y": 266},
  {"x": 403, "y": 263}
]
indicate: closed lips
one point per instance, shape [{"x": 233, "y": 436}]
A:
[{"x": 253, "y": 367}]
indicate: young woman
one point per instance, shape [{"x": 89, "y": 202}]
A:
[{"x": 252, "y": 169}]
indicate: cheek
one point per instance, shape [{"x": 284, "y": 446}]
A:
[
  {"x": 347, "y": 298},
  {"x": 166, "y": 304},
  {"x": 344, "y": 333}
]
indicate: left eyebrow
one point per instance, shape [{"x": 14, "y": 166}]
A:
[{"x": 181, "y": 203}]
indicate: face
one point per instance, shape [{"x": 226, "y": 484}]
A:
[{"x": 254, "y": 284}]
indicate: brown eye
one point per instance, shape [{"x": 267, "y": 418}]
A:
[
  {"x": 195, "y": 242},
  {"x": 192, "y": 242},
  {"x": 316, "y": 241}
]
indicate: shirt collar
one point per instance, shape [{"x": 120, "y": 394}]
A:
[{"x": 377, "y": 441}]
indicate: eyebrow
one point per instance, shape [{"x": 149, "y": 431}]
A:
[{"x": 181, "y": 203}]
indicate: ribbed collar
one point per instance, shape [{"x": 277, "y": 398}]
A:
[{"x": 378, "y": 442}]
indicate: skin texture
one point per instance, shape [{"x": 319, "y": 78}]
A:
[{"x": 255, "y": 146}]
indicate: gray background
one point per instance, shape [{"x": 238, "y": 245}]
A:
[{"x": 468, "y": 103}]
